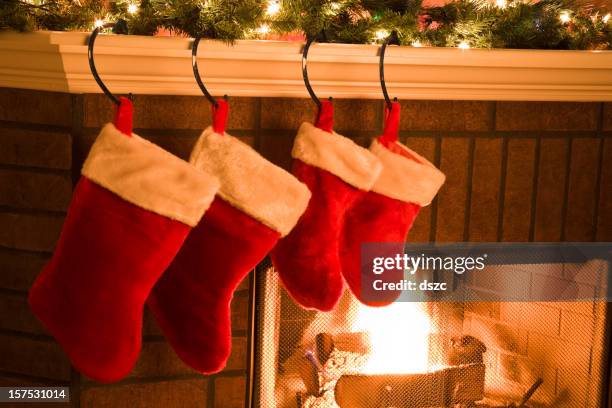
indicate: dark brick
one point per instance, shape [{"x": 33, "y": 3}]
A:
[
  {"x": 166, "y": 394},
  {"x": 35, "y": 148},
  {"x": 582, "y": 200},
  {"x": 152, "y": 111},
  {"x": 546, "y": 116},
  {"x": 446, "y": 115},
  {"x": 286, "y": 113},
  {"x": 238, "y": 358},
  {"x": 170, "y": 112},
  {"x": 19, "y": 269},
  {"x": 10, "y": 380},
  {"x": 180, "y": 146},
  {"x": 550, "y": 190},
  {"x": 46, "y": 108},
  {"x": 29, "y": 232},
  {"x": 426, "y": 147},
  {"x": 607, "y": 116},
  {"x": 604, "y": 219},
  {"x": 240, "y": 312},
  {"x": 357, "y": 114},
  {"x": 15, "y": 315},
  {"x": 230, "y": 392},
  {"x": 276, "y": 147},
  {"x": 38, "y": 358},
  {"x": 157, "y": 359},
  {"x": 452, "y": 197},
  {"x": 32, "y": 190},
  {"x": 486, "y": 177},
  {"x": 149, "y": 325},
  {"x": 243, "y": 113},
  {"x": 245, "y": 284},
  {"x": 519, "y": 187}
]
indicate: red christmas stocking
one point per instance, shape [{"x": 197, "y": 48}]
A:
[
  {"x": 337, "y": 171},
  {"x": 131, "y": 211},
  {"x": 383, "y": 216},
  {"x": 257, "y": 203}
]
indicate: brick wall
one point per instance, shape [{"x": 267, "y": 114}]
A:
[
  {"x": 561, "y": 342},
  {"x": 516, "y": 172}
]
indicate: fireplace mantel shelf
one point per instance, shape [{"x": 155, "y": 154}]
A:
[{"x": 56, "y": 61}]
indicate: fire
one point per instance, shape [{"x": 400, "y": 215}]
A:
[{"x": 399, "y": 338}]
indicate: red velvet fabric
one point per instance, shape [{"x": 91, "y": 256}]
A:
[
  {"x": 308, "y": 258},
  {"x": 375, "y": 218},
  {"x": 325, "y": 116},
  {"x": 219, "y": 115},
  {"x": 91, "y": 294},
  {"x": 191, "y": 302},
  {"x": 123, "y": 116}
]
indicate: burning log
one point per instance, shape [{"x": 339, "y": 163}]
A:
[
  {"x": 443, "y": 388},
  {"x": 465, "y": 350}
]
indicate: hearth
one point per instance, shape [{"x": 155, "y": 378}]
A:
[{"x": 436, "y": 354}]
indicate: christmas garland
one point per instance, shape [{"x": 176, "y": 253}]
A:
[{"x": 543, "y": 24}]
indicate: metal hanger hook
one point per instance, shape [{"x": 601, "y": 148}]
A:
[
  {"x": 196, "y": 73},
  {"x": 393, "y": 39},
  {"x": 311, "y": 92},
  {"x": 119, "y": 28}
]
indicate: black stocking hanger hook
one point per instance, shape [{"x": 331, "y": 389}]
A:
[
  {"x": 118, "y": 28},
  {"x": 196, "y": 73},
  {"x": 393, "y": 39},
  {"x": 311, "y": 92}
]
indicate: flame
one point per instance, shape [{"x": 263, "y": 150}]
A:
[{"x": 399, "y": 337}]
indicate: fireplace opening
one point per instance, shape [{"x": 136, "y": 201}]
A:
[{"x": 436, "y": 354}]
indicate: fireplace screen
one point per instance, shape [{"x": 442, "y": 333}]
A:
[{"x": 435, "y": 354}]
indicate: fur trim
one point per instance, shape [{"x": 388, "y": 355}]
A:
[
  {"x": 404, "y": 179},
  {"x": 251, "y": 183},
  {"x": 337, "y": 154},
  {"x": 144, "y": 174}
]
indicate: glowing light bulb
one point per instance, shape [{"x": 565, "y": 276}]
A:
[
  {"x": 606, "y": 18},
  {"x": 273, "y": 8},
  {"x": 98, "y": 23},
  {"x": 501, "y": 3},
  {"x": 263, "y": 29},
  {"x": 464, "y": 45},
  {"x": 381, "y": 34},
  {"x": 416, "y": 44},
  {"x": 565, "y": 17},
  {"x": 335, "y": 6},
  {"x": 132, "y": 9}
]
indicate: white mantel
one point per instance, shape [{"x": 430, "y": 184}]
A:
[{"x": 57, "y": 61}]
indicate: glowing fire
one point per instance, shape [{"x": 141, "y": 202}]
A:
[{"x": 399, "y": 338}]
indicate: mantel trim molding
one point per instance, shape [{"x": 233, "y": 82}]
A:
[{"x": 57, "y": 61}]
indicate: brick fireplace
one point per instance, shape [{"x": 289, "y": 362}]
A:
[
  {"x": 440, "y": 353},
  {"x": 516, "y": 171}
]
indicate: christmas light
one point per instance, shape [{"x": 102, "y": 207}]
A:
[
  {"x": 501, "y": 3},
  {"x": 416, "y": 44},
  {"x": 99, "y": 23},
  {"x": 335, "y": 6},
  {"x": 263, "y": 29},
  {"x": 381, "y": 34},
  {"x": 273, "y": 8},
  {"x": 464, "y": 45},
  {"x": 132, "y": 9},
  {"x": 606, "y": 18},
  {"x": 565, "y": 17}
]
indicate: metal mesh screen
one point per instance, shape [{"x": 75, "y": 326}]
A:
[{"x": 426, "y": 355}]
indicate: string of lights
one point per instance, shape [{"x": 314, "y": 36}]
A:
[{"x": 540, "y": 24}]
